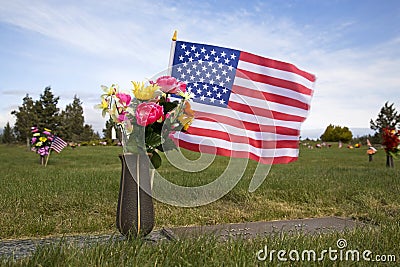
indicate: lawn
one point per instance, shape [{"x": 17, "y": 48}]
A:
[{"x": 77, "y": 194}]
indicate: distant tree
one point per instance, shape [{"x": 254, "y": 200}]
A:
[
  {"x": 387, "y": 117},
  {"x": 26, "y": 117},
  {"x": 96, "y": 136},
  {"x": 107, "y": 131},
  {"x": 336, "y": 133},
  {"x": 88, "y": 134},
  {"x": 8, "y": 135},
  {"x": 72, "y": 121},
  {"x": 47, "y": 110}
]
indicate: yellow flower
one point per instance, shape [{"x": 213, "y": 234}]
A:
[
  {"x": 186, "y": 95},
  {"x": 185, "y": 120},
  {"x": 42, "y": 139},
  {"x": 47, "y": 129},
  {"x": 142, "y": 92},
  {"x": 112, "y": 90},
  {"x": 104, "y": 104}
]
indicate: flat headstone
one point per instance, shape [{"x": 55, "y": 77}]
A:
[
  {"x": 22, "y": 248},
  {"x": 263, "y": 228}
]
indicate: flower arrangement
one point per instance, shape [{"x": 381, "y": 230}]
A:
[
  {"x": 41, "y": 141},
  {"x": 391, "y": 141},
  {"x": 371, "y": 151},
  {"x": 148, "y": 117}
]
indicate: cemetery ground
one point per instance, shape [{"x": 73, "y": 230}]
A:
[{"x": 76, "y": 194}]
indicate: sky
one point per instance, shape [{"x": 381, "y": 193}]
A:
[{"x": 352, "y": 46}]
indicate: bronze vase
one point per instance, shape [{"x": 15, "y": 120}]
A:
[
  {"x": 135, "y": 211},
  {"x": 389, "y": 161}
]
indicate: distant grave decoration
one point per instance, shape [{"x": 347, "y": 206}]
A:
[
  {"x": 371, "y": 152},
  {"x": 41, "y": 142},
  {"x": 391, "y": 141},
  {"x": 147, "y": 117}
]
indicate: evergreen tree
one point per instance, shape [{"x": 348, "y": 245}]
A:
[
  {"x": 47, "y": 110},
  {"x": 107, "y": 130},
  {"x": 26, "y": 117},
  {"x": 7, "y": 136},
  {"x": 72, "y": 121},
  {"x": 88, "y": 133},
  {"x": 387, "y": 117}
]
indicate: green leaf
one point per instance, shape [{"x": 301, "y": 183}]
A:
[
  {"x": 168, "y": 106},
  {"x": 155, "y": 160},
  {"x": 153, "y": 139},
  {"x": 167, "y": 145}
]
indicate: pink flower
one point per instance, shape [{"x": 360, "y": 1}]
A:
[
  {"x": 122, "y": 116},
  {"x": 43, "y": 151},
  {"x": 124, "y": 99},
  {"x": 170, "y": 85},
  {"x": 148, "y": 113}
]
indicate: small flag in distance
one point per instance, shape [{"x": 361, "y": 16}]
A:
[{"x": 58, "y": 144}]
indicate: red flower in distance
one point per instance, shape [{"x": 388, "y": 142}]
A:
[{"x": 391, "y": 139}]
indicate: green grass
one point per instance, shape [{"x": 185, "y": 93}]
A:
[{"x": 77, "y": 193}]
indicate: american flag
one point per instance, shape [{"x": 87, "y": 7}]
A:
[
  {"x": 58, "y": 144},
  {"x": 246, "y": 106}
]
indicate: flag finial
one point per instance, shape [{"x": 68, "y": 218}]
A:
[{"x": 174, "y": 37}]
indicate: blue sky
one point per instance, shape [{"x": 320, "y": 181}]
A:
[{"x": 353, "y": 47}]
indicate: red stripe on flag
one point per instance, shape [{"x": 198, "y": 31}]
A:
[
  {"x": 251, "y": 126},
  {"x": 271, "y": 63},
  {"x": 270, "y": 97},
  {"x": 264, "y": 112},
  {"x": 256, "y": 77}
]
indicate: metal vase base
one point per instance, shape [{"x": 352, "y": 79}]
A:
[{"x": 135, "y": 211}]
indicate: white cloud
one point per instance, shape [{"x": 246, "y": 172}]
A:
[{"x": 355, "y": 84}]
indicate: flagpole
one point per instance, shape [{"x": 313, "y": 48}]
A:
[
  {"x": 172, "y": 53},
  {"x": 47, "y": 158}
]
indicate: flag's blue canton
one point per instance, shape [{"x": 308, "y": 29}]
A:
[{"x": 208, "y": 70}]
